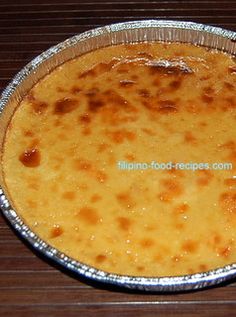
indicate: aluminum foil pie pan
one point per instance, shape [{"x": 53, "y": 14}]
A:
[{"x": 128, "y": 32}]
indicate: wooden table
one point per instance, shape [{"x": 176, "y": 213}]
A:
[{"x": 29, "y": 284}]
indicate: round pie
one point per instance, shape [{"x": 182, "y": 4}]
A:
[{"x": 125, "y": 159}]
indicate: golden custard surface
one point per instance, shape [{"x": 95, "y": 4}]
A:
[{"x": 133, "y": 103}]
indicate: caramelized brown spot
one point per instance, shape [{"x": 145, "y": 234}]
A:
[
  {"x": 32, "y": 204},
  {"x": 217, "y": 239},
  {"x": 202, "y": 124},
  {"x": 30, "y": 158},
  {"x": 122, "y": 68},
  {"x": 175, "y": 84},
  {"x": 92, "y": 92},
  {"x": 229, "y": 86},
  {"x": 175, "y": 172},
  {"x": 147, "y": 243},
  {"x": 38, "y": 106},
  {"x": 230, "y": 182},
  {"x": 95, "y": 104},
  {"x": 57, "y": 123},
  {"x": 102, "y": 147},
  {"x": 100, "y": 258},
  {"x": 130, "y": 157},
  {"x": 101, "y": 176},
  {"x": 88, "y": 73},
  {"x": 144, "y": 93},
  {"x": 98, "y": 69},
  {"x": 189, "y": 137},
  {"x": 205, "y": 78},
  {"x": 86, "y": 131},
  {"x": 107, "y": 99},
  {"x": 228, "y": 202},
  {"x": 82, "y": 165},
  {"x": 182, "y": 208},
  {"x": 86, "y": 166},
  {"x": 172, "y": 189},
  {"x": 62, "y": 136},
  {"x": 119, "y": 136},
  {"x": 190, "y": 246},
  {"x": 203, "y": 267},
  {"x": 208, "y": 90},
  {"x": 232, "y": 157},
  {"x": 224, "y": 252},
  {"x": 75, "y": 90},
  {"x": 125, "y": 200},
  {"x": 140, "y": 268},
  {"x": 165, "y": 197},
  {"x": 134, "y": 77},
  {"x": 104, "y": 67},
  {"x": 28, "y": 133},
  {"x": 156, "y": 82},
  {"x": 206, "y": 98},
  {"x": 89, "y": 215},
  {"x": 34, "y": 143},
  {"x": 65, "y": 105},
  {"x": 192, "y": 107},
  {"x": 56, "y": 232},
  {"x": 230, "y": 145},
  {"x": 69, "y": 195},
  {"x": 95, "y": 198},
  {"x": 230, "y": 103},
  {"x": 85, "y": 118},
  {"x": 124, "y": 223},
  {"x": 158, "y": 258},
  {"x": 112, "y": 108}
]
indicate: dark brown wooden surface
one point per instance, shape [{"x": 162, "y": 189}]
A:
[{"x": 29, "y": 284}]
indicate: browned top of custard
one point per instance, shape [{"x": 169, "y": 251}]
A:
[{"x": 133, "y": 103}]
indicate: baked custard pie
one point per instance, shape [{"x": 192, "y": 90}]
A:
[{"x": 73, "y": 143}]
